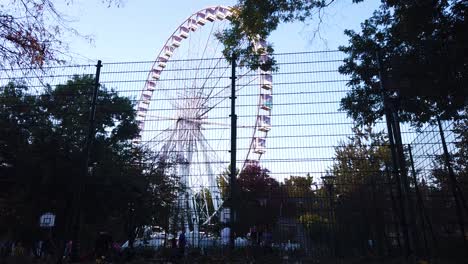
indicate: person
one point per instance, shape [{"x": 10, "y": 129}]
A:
[
  {"x": 182, "y": 243},
  {"x": 267, "y": 238},
  {"x": 254, "y": 236},
  {"x": 5, "y": 250},
  {"x": 18, "y": 250},
  {"x": 174, "y": 250},
  {"x": 38, "y": 249},
  {"x": 225, "y": 235},
  {"x": 103, "y": 245},
  {"x": 19, "y": 253},
  {"x": 174, "y": 242},
  {"x": 67, "y": 251},
  {"x": 260, "y": 235}
]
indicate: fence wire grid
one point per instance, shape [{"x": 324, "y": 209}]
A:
[{"x": 308, "y": 180}]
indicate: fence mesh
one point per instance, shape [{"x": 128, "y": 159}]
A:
[{"x": 310, "y": 184}]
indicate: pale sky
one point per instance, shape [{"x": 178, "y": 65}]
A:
[{"x": 137, "y": 30}]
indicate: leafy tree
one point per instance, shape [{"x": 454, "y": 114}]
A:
[
  {"x": 460, "y": 157},
  {"x": 439, "y": 194},
  {"x": 297, "y": 186},
  {"x": 440, "y": 177},
  {"x": 423, "y": 57},
  {"x": 257, "y": 19},
  {"x": 361, "y": 158},
  {"x": 32, "y": 32},
  {"x": 156, "y": 201},
  {"x": 361, "y": 191},
  {"x": 422, "y": 46},
  {"x": 42, "y": 159},
  {"x": 204, "y": 197},
  {"x": 298, "y": 197},
  {"x": 223, "y": 182},
  {"x": 316, "y": 225},
  {"x": 259, "y": 197},
  {"x": 461, "y": 143}
]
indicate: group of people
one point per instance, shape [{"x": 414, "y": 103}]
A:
[
  {"x": 40, "y": 250},
  {"x": 45, "y": 250},
  {"x": 260, "y": 236},
  {"x": 9, "y": 249}
]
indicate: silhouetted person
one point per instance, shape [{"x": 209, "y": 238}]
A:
[
  {"x": 103, "y": 245},
  {"x": 182, "y": 243},
  {"x": 226, "y": 235}
]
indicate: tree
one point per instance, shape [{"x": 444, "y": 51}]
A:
[
  {"x": 156, "y": 200},
  {"x": 359, "y": 160},
  {"x": 42, "y": 156},
  {"x": 298, "y": 196},
  {"x": 297, "y": 186},
  {"x": 223, "y": 182},
  {"x": 422, "y": 46},
  {"x": 461, "y": 156},
  {"x": 361, "y": 189},
  {"x": 259, "y": 197},
  {"x": 257, "y": 19},
  {"x": 32, "y": 31}
]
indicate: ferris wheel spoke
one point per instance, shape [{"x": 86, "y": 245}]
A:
[
  {"x": 202, "y": 58},
  {"x": 211, "y": 69},
  {"x": 199, "y": 89},
  {"x": 213, "y": 185},
  {"x": 219, "y": 124},
  {"x": 203, "y": 202},
  {"x": 222, "y": 99},
  {"x": 159, "y": 118},
  {"x": 209, "y": 77},
  {"x": 159, "y": 136},
  {"x": 213, "y": 87}
]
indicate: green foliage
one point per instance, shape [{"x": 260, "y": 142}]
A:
[
  {"x": 258, "y": 196},
  {"x": 223, "y": 182},
  {"x": 257, "y": 19},
  {"x": 155, "y": 204},
  {"x": 461, "y": 142},
  {"x": 422, "y": 46},
  {"x": 42, "y": 160},
  {"x": 360, "y": 160},
  {"x": 297, "y": 186},
  {"x": 361, "y": 190},
  {"x": 314, "y": 223}
]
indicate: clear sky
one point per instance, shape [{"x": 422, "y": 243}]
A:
[{"x": 137, "y": 30}]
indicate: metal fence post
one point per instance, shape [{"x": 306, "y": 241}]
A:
[
  {"x": 453, "y": 184},
  {"x": 396, "y": 165},
  {"x": 422, "y": 210},
  {"x": 232, "y": 178},
  {"x": 407, "y": 201},
  {"x": 75, "y": 252}
]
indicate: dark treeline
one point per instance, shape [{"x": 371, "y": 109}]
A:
[{"x": 42, "y": 163}]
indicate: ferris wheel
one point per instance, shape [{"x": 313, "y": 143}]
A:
[{"x": 183, "y": 111}]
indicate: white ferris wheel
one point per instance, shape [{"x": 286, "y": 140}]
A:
[{"x": 184, "y": 109}]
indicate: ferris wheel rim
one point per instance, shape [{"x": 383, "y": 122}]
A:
[
  {"x": 227, "y": 12},
  {"x": 151, "y": 83}
]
